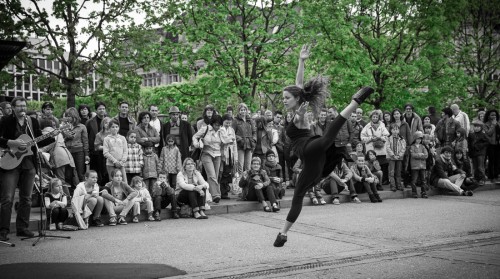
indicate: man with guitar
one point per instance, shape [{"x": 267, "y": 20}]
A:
[{"x": 12, "y": 127}]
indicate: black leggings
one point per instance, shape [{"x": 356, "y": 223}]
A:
[{"x": 314, "y": 158}]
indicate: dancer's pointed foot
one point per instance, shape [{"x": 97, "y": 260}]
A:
[
  {"x": 362, "y": 94},
  {"x": 280, "y": 240}
]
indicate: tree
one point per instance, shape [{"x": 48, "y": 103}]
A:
[
  {"x": 83, "y": 36},
  {"x": 478, "y": 49},
  {"x": 391, "y": 45},
  {"x": 245, "y": 44}
]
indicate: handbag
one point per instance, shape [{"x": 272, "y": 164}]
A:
[
  {"x": 185, "y": 211},
  {"x": 378, "y": 144},
  {"x": 196, "y": 153}
]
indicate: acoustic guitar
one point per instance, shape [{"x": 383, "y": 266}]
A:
[{"x": 10, "y": 158}]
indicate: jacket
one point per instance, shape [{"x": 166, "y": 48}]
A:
[
  {"x": 250, "y": 176},
  {"x": 134, "y": 158},
  {"x": 59, "y": 154},
  {"x": 345, "y": 135},
  {"x": 151, "y": 166},
  {"x": 170, "y": 160},
  {"x": 115, "y": 149},
  {"x": 369, "y": 132},
  {"x": 442, "y": 170},
  {"x": 272, "y": 171},
  {"x": 77, "y": 140},
  {"x": 151, "y": 134},
  {"x": 246, "y": 133},
  {"x": 446, "y": 131},
  {"x": 357, "y": 127},
  {"x": 267, "y": 139},
  {"x": 492, "y": 132},
  {"x": 478, "y": 143},
  {"x": 185, "y": 133},
  {"x": 212, "y": 140},
  {"x": 405, "y": 133},
  {"x": 397, "y": 149},
  {"x": 415, "y": 125},
  {"x": 183, "y": 182},
  {"x": 365, "y": 172},
  {"x": 418, "y": 157},
  {"x": 344, "y": 172},
  {"x": 92, "y": 130}
]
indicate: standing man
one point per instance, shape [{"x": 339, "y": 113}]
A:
[
  {"x": 461, "y": 117},
  {"x": 180, "y": 129},
  {"x": 155, "y": 123},
  {"x": 22, "y": 176},
  {"x": 127, "y": 123},
  {"x": 415, "y": 123},
  {"x": 93, "y": 125}
]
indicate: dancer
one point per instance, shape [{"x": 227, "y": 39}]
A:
[{"x": 313, "y": 151}]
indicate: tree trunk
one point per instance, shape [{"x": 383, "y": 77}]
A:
[{"x": 70, "y": 95}]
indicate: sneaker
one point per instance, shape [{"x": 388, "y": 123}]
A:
[
  {"x": 469, "y": 193},
  {"x": 336, "y": 201},
  {"x": 59, "y": 225},
  {"x": 112, "y": 221},
  {"x": 280, "y": 240},
  {"x": 315, "y": 201},
  {"x": 414, "y": 195},
  {"x": 322, "y": 201},
  {"x": 157, "y": 217},
  {"x": 424, "y": 196},
  {"x": 151, "y": 218},
  {"x": 355, "y": 200},
  {"x": 25, "y": 233},
  {"x": 98, "y": 222},
  {"x": 372, "y": 198},
  {"x": 377, "y": 197},
  {"x": 135, "y": 220},
  {"x": 121, "y": 221}
]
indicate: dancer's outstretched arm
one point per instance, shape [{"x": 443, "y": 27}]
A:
[{"x": 304, "y": 54}]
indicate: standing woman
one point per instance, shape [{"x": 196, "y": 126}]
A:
[
  {"x": 405, "y": 133},
  {"x": 77, "y": 141},
  {"x": 374, "y": 135},
  {"x": 246, "y": 137},
  {"x": 211, "y": 142},
  {"x": 84, "y": 112},
  {"x": 145, "y": 132},
  {"x": 99, "y": 151},
  {"x": 312, "y": 151}
]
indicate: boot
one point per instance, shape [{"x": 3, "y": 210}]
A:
[
  {"x": 377, "y": 196},
  {"x": 362, "y": 94},
  {"x": 372, "y": 198},
  {"x": 175, "y": 214}
]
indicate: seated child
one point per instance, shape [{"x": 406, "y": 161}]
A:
[
  {"x": 163, "y": 195},
  {"x": 255, "y": 183},
  {"x": 55, "y": 202},
  {"x": 86, "y": 194},
  {"x": 118, "y": 198},
  {"x": 273, "y": 170},
  {"x": 338, "y": 180},
  {"x": 142, "y": 200},
  {"x": 364, "y": 180},
  {"x": 375, "y": 168}
]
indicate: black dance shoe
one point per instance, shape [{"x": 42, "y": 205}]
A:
[
  {"x": 362, "y": 94},
  {"x": 280, "y": 240}
]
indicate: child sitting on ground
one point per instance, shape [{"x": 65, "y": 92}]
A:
[
  {"x": 417, "y": 164},
  {"x": 55, "y": 202},
  {"x": 364, "y": 180},
  {"x": 133, "y": 166},
  {"x": 375, "y": 168},
  {"x": 273, "y": 170},
  {"x": 143, "y": 199},
  {"x": 118, "y": 198},
  {"x": 395, "y": 147},
  {"x": 163, "y": 195}
]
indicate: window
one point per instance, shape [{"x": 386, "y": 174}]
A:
[
  {"x": 36, "y": 97},
  {"x": 41, "y": 63},
  {"x": 26, "y": 85},
  {"x": 56, "y": 65},
  {"x": 49, "y": 65}
]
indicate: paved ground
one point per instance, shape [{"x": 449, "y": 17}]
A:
[{"x": 440, "y": 237}]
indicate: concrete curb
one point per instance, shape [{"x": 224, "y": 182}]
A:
[{"x": 234, "y": 206}]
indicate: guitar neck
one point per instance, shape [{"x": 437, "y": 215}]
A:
[{"x": 40, "y": 138}]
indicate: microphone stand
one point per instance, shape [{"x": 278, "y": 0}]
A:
[{"x": 42, "y": 231}]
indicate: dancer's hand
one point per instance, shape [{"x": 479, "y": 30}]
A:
[
  {"x": 305, "y": 52},
  {"x": 302, "y": 108}
]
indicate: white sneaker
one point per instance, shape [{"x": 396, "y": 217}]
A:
[
  {"x": 356, "y": 200},
  {"x": 336, "y": 201}
]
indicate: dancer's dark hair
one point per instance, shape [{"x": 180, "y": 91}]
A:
[{"x": 315, "y": 92}]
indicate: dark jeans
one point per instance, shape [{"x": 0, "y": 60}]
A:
[
  {"x": 493, "y": 155},
  {"x": 79, "y": 158},
  {"x": 193, "y": 198},
  {"x": 172, "y": 179},
  {"x": 225, "y": 179},
  {"x": 384, "y": 164},
  {"x": 58, "y": 215},
  {"x": 333, "y": 187},
  {"x": 266, "y": 193},
  {"x": 478, "y": 165},
  {"x": 24, "y": 179},
  {"x": 160, "y": 202},
  {"x": 365, "y": 187},
  {"x": 418, "y": 175}
]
